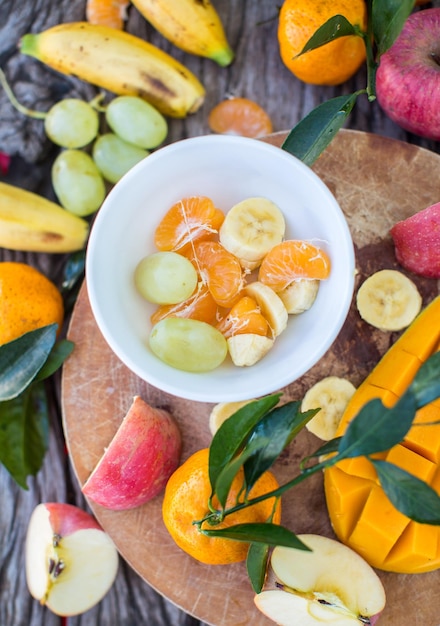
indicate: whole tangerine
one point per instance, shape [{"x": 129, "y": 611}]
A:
[
  {"x": 334, "y": 62},
  {"x": 186, "y": 501},
  {"x": 28, "y": 300}
]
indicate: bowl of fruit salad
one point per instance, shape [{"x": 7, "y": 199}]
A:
[{"x": 220, "y": 268}]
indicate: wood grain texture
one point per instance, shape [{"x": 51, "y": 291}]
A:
[
  {"x": 256, "y": 73},
  {"x": 97, "y": 391}
]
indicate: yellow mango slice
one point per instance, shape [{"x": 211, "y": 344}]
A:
[{"x": 361, "y": 514}]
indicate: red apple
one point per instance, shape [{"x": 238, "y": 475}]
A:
[
  {"x": 408, "y": 76},
  {"x": 71, "y": 562},
  {"x": 138, "y": 461},
  {"x": 417, "y": 242}
]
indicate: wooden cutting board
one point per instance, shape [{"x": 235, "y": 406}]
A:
[{"x": 377, "y": 182}]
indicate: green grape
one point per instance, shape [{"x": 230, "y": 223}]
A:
[
  {"x": 115, "y": 157},
  {"x": 188, "y": 344},
  {"x": 77, "y": 182},
  {"x": 136, "y": 121},
  {"x": 165, "y": 278},
  {"x": 71, "y": 123}
]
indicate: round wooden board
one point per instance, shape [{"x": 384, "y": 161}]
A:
[{"x": 377, "y": 182}]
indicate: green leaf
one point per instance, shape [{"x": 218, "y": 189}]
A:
[
  {"x": 335, "y": 27},
  {"x": 21, "y": 359},
  {"x": 329, "y": 447},
  {"x": 309, "y": 138},
  {"x": 256, "y": 564},
  {"x": 24, "y": 427},
  {"x": 266, "y": 533},
  {"x": 426, "y": 383},
  {"x": 278, "y": 428},
  {"x": 59, "y": 353},
  {"x": 388, "y": 18},
  {"x": 377, "y": 428},
  {"x": 229, "y": 471},
  {"x": 410, "y": 495},
  {"x": 234, "y": 432}
]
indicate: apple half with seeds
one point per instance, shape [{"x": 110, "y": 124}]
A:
[
  {"x": 330, "y": 584},
  {"x": 138, "y": 461},
  {"x": 71, "y": 563}
]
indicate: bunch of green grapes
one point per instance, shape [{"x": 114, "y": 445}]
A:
[{"x": 88, "y": 158}]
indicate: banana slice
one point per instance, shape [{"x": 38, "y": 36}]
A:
[
  {"x": 388, "y": 300},
  {"x": 251, "y": 228},
  {"x": 271, "y": 306},
  {"x": 331, "y": 395},
  {"x": 248, "y": 348},
  {"x": 222, "y": 411},
  {"x": 299, "y": 295}
]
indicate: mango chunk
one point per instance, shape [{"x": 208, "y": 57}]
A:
[
  {"x": 374, "y": 535},
  {"x": 364, "y": 394},
  {"x": 416, "y": 550},
  {"x": 396, "y": 373},
  {"x": 346, "y": 495},
  {"x": 420, "y": 438},
  {"x": 412, "y": 462}
]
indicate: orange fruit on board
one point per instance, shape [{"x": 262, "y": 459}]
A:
[
  {"x": 200, "y": 306},
  {"x": 333, "y": 63},
  {"x": 28, "y": 300},
  {"x": 292, "y": 259},
  {"x": 191, "y": 219},
  {"x": 244, "y": 317},
  {"x": 239, "y": 116},
  {"x": 112, "y": 13},
  {"x": 186, "y": 500},
  {"x": 219, "y": 270}
]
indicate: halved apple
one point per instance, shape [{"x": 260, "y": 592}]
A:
[
  {"x": 328, "y": 584},
  {"x": 138, "y": 461},
  {"x": 71, "y": 563}
]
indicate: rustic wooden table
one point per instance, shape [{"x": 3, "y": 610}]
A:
[{"x": 257, "y": 73}]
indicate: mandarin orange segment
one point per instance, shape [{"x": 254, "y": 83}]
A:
[
  {"x": 186, "y": 501},
  {"x": 240, "y": 116},
  {"x": 110, "y": 13},
  {"x": 200, "y": 306},
  {"x": 220, "y": 271},
  {"x": 191, "y": 219},
  {"x": 244, "y": 317},
  {"x": 290, "y": 260}
]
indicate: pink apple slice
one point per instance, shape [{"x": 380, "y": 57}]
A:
[
  {"x": 328, "y": 584},
  {"x": 71, "y": 563},
  {"x": 417, "y": 242},
  {"x": 140, "y": 458}
]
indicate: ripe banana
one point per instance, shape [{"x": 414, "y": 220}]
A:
[
  {"x": 222, "y": 411},
  {"x": 331, "y": 395},
  {"x": 119, "y": 62},
  {"x": 247, "y": 349},
  {"x": 191, "y": 25},
  {"x": 299, "y": 296},
  {"x": 251, "y": 228},
  {"x": 388, "y": 300},
  {"x": 271, "y": 306},
  {"x": 31, "y": 223}
]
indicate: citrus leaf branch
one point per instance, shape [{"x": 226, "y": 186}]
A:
[{"x": 309, "y": 138}]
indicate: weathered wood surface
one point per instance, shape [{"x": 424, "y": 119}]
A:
[{"x": 257, "y": 73}]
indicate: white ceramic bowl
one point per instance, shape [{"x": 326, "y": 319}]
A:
[{"x": 227, "y": 169}]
